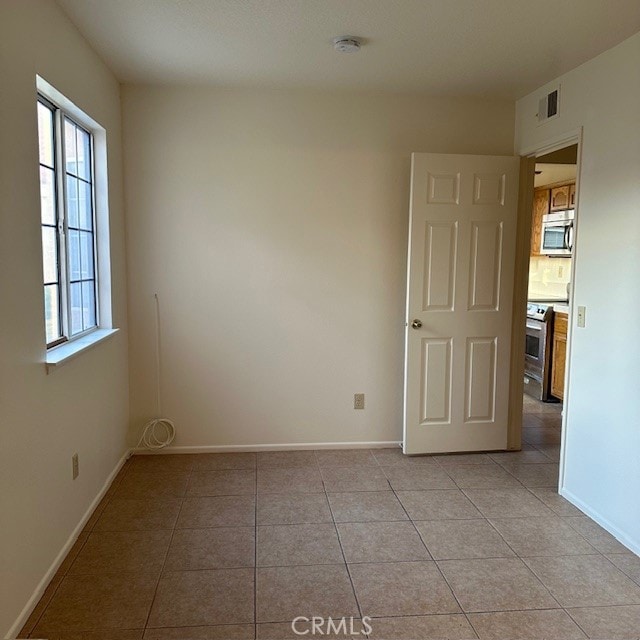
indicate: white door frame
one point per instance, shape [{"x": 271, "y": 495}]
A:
[{"x": 561, "y": 141}]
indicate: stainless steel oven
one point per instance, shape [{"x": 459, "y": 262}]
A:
[
  {"x": 557, "y": 233},
  {"x": 537, "y": 365}
]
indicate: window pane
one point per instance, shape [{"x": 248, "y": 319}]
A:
[
  {"x": 72, "y": 202},
  {"x": 70, "y": 154},
  {"x": 85, "y": 206},
  {"x": 84, "y": 154},
  {"x": 47, "y": 196},
  {"x": 45, "y": 134},
  {"x": 50, "y": 254},
  {"x": 86, "y": 255},
  {"x": 51, "y": 312},
  {"x": 73, "y": 255},
  {"x": 89, "y": 305},
  {"x": 75, "y": 304}
]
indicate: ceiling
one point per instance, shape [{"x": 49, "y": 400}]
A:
[
  {"x": 499, "y": 48},
  {"x": 554, "y": 173}
]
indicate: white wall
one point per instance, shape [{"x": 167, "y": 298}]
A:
[
  {"x": 273, "y": 224},
  {"x": 603, "y": 421},
  {"x": 83, "y": 406}
]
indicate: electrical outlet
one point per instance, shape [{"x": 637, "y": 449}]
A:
[
  {"x": 358, "y": 400},
  {"x": 75, "y": 465}
]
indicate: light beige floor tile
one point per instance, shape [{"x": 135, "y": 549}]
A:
[
  {"x": 451, "y": 627},
  {"x": 418, "y": 479},
  {"x": 552, "y": 451},
  {"x": 103, "y": 634},
  {"x": 153, "y": 485},
  {"x": 540, "y": 435},
  {"x": 336, "y": 628},
  {"x": 217, "y": 511},
  {"x": 160, "y": 462},
  {"x": 122, "y": 514},
  {"x": 612, "y": 623},
  {"x": 507, "y": 503},
  {"x": 456, "y": 539},
  {"x": 204, "y": 598},
  {"x": 601, "y": 539},
  {"x": 220, "y": 632},
  {"x": 222, "y": 483},
  {"x": 439, "y": 504},
  {"x": 107, "y": 552},
  {"x": 290, "y": 480},
  {"x": 525, "y": 625},
  {"x": 216, "y": 461},
  {"x": 390, "y": 457},
  {"x": 528, "y": 456},
  {"x": 287, "y": 459},
  {"x": 217, "y": 548},
  {"x": 86, "y": 603},
  {"x": 628, "y": 563},
  {"x": 347, "y": 479},
  {"x": 495, "y": 584},
  {"x": 541, "y": 536},
  {"x": 481, "y": 477},
  {"x": 363, "y": 506},
  {"x": 585, "y": 581},
  {"x": 292, "y": 508},
  {"x": 402, "y": 589},
  {"x": 381, "y": 542},
  {"x": 535, "y": 475},
  {"x": 556, "y": 502},
  {"x": 284, "y": 593},
  {"x": 298, "y": 544},
  {"x": 345, "y": 457},
  {"x": 463, "y": 458}
]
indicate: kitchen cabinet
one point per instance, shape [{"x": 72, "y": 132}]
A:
[
  {"x": 540, "y": 208},
  {"x": 559, "y": 354},
  {"x": 560, "y": 198},
  {"x": 572, "y": 196}
]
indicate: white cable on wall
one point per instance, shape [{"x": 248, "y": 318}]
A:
[{"x": 159, "y": 432}]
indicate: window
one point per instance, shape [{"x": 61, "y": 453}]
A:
[{"x": 67, "y": 203}]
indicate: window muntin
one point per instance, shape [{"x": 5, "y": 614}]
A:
[{"x": 68, "y": 225}]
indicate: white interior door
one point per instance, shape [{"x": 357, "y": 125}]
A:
[{"x": 462, "y": 237}]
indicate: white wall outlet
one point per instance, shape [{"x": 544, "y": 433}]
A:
[
  {"x": 358, "y": 400},
  {"x": 582, "y": 316},
  {"x": 75, "y": 465}
]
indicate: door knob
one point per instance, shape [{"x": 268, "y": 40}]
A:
[{"x": 416, "y": 324}]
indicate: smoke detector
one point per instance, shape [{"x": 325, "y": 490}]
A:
[{"x": 346, "y": 44}]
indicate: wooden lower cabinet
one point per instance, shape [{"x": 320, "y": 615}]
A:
[{"x": 559, "y": 354}]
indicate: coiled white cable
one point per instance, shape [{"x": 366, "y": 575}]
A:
[{"x": 159, "y": 432}]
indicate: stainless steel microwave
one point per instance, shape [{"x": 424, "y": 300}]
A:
[{"x": 557, "y": 233}]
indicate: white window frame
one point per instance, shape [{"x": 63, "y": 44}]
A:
[{"x": 69, "y": 347}]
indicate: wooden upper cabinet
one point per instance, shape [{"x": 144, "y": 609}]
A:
[
  {"x": 572, "y": 196},
  {"x": 560, "y": 198},
  {"x": 540, "y": 208}
]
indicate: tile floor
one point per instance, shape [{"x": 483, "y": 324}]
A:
[{"x": 234, "y": 546}]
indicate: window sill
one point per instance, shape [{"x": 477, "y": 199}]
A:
[{"x": 58, "y": 356}]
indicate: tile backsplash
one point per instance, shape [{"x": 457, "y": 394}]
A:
[{"x": 548, "y": 277}]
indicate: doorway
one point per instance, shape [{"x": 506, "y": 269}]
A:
[{"x": 551, "y": 259}]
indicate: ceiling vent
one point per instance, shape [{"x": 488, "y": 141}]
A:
[{"x": 549, "y": 106}]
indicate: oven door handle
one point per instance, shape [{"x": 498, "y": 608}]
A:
[{"x": 534, "y": 324}]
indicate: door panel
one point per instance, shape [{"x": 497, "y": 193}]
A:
[{"x": 460, "y": 289}]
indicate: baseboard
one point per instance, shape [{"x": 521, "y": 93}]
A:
[
  {"x": 231, "y": 448},
  {"x": 37, "y": 594},
  {"x": 620, "y": 536}
]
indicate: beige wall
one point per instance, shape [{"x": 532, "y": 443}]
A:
[
  {"x": 602, "y": 446},
  {"x": 83, "y": 406},
  {"x": 273, "y": 224}
]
